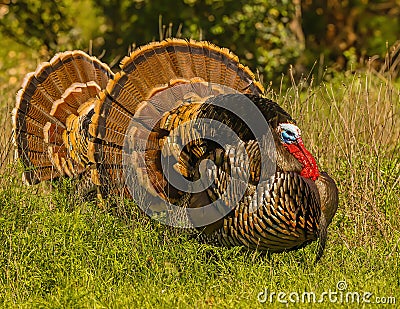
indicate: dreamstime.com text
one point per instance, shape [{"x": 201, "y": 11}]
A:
[{"x": 340, "y": 295}]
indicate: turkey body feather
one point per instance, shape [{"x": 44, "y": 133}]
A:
[{"x": 190, "y": 104}]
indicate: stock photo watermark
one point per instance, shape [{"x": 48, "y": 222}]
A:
[{"x": 341, "y": 294}]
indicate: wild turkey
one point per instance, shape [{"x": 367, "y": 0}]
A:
[{"x": 180, "y": 130}]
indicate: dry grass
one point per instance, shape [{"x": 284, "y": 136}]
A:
[{"x": 352, "y": 125}]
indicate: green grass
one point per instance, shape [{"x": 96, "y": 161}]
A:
[{"x": 59, "y": 251}]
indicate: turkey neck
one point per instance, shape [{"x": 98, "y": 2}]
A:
[{"x": 299, "y": 151}]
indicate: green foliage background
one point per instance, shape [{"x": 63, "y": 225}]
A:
[{"x": 268, "y": 35}]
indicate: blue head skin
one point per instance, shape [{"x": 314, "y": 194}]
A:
[
  {"x": 289, "y": 133},
  {"x": 290, "y": 136}
]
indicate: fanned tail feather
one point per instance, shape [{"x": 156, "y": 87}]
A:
[
  {"x": 155, "y": 79},
  {"x": 48, "y": 96}
]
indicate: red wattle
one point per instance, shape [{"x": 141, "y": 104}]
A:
[{"x": 299, "y": 151}]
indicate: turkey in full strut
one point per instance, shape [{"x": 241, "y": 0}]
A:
[{"x": 177, "y": 110}]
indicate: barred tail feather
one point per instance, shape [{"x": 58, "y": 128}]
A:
[{"x": 47, "y": 98}]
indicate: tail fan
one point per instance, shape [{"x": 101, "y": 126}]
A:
[
  {"x": 154, "y": 80},
  {"x": 50, "y": 99}
]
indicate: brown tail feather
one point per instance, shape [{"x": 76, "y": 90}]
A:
[
  {"x": 48, "y": 97},
  {"x": 162, "y": 65},
  {"x": 56, "y": 90},
  {"x": 161, "y": 62},
  {"x": 155, "y": 79}
]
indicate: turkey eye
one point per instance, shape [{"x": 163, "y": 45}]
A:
[{"x": 288, "y": 136}]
